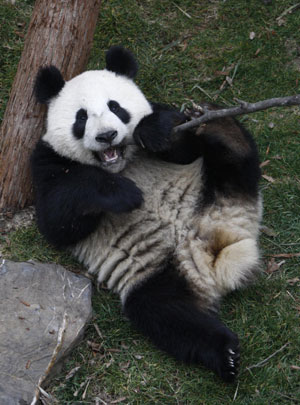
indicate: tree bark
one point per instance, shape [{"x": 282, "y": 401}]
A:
[{"x": 60, "y": 33}]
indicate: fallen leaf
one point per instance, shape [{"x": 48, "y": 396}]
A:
[
  {"x": 268, "y": 178},
  {"x": 273, "y": 266},
  {"x": 229, "y": 80},
  {"x": 124, "y": 366},
  {"x": 109, "y": 363},
  {"x": 257, "y": 51},
  {"x": 281, "y": 22},
  {"x": 222, "y": 73},
  {"x": 268, "y": 231},
  {"x": 223, "y": 85},
  {"x": 19, "y": 34},
  {"x": 293, "y": 281},
  {"x": 295, "y": 368},
  {"x": 25, "y": 303},
  {"x": 94, "y": 346},
  {"x": 185, "y": 44},
  {"x": 116, "y": 401},
  {"x": 72, "y": 372},
  {"x": 265, "y": 163}
]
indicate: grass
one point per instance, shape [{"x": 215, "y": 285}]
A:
[{"x": 182, "y": 48}]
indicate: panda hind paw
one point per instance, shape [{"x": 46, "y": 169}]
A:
[{"x": 229, "y": 363}]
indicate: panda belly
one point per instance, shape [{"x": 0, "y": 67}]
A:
[{"x": 127, "y": 248}]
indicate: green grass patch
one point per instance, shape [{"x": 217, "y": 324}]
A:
[{"x": 185, "y": 51}]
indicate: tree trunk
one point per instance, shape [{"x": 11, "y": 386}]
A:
[{"x": 60, "y": 33}]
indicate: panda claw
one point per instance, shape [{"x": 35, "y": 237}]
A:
[
  {"x": 142, "y": 145},
  {"x": 231, "y": 362}
]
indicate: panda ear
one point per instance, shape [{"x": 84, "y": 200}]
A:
[
  {"x": 48, "y": 84},
  {"x": 121, "y": 61}
]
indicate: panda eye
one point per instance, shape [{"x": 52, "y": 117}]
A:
[
  {"x": 119, "y": 111},
  {"x": 81, "y": 115},
  {"x": 114, "y": 106}
]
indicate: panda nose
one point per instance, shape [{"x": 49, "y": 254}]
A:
[{"x": 106, "y": 137}]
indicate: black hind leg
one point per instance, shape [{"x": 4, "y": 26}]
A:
[{"x": 165, "y": 310}]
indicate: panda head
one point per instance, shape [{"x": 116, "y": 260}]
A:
[{"x": 91, "y": 118}]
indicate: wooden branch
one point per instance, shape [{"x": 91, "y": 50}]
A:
[
  {"x": 60, "y": 33},
  {"x": 242, "y": 108},
  {"x": 263, "y": 362}
]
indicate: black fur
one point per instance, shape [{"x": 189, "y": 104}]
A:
[
  {"x": 165, "y": 309},
  {"x": 70, "y": 197},
  {"x": 48, "y": 84},
  {"x": 120, "y": 112},
  {"x": 231, "y": 166},
  {"x": 80, "y": 122},
  {"x": 154, "y": 131},
  {"x": 227, "y": 171},
  {"x": 121, "y": 61}
]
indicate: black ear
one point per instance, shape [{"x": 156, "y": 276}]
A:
[
  {"x": 48, "y": 84},
  {"x": 121, "y": 61}
]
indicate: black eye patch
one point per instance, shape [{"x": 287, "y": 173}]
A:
[
  {"x": 120, "y": 112},
  {"x": 79, "y": 124}
]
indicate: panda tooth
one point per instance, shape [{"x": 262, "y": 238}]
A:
[{"x": 110, "y": 155}]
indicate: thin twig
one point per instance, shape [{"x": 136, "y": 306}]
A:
[
  {"x": 180, "y": 9},
  {"x": 60, "y": 341},
  {"x": 236, "y": 391},
  {"x": 102, "y": 401},
  {"x": 263, "y": 362},
  {"x": 243, "y": 108},
  {"x": 293, "y": 399},
  {"x": 288, "y": 10},
  {"x": 98, "y": 330}
]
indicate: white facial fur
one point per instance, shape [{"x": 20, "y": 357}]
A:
[{"x": 91, "y": 91}]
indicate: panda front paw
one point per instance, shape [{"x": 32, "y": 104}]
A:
[
  {"x": 123, "y": 196},
  {"x": 154, "y": 132}
]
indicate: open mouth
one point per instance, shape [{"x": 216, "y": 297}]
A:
[{"x": 110, "y": 155}]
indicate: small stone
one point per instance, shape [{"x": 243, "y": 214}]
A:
[{"x": 41, "y": 305}]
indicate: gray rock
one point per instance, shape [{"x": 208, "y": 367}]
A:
[{"x": 43, "y": 313}]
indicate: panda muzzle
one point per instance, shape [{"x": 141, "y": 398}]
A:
[{"x": 106, "y": 137}]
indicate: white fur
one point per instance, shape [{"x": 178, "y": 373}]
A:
[
  {"x": 127, "y": 248},
  {"x": 92, "y": 90},
  {"x": 215, "y": 249}
]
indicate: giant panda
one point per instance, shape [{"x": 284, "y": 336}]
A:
[{"x": 168, "y": 222}]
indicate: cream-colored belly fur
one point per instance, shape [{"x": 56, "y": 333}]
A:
[{"x": 215, "y": 249}]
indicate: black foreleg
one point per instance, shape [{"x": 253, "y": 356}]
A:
[
  {"x": 71, "y": 197},
  {"x": 165, "y": 310}
]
